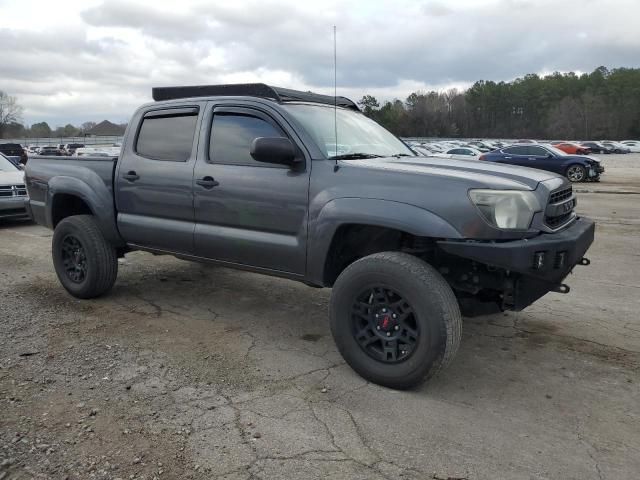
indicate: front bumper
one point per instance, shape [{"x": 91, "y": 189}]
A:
[
  {"x": 542, "y": 262},
  {"x": 14, "y": 207},
  {"x": 595, "y": 171}
]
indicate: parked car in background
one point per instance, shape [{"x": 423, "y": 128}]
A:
[
  {"x": 597, "y": 147},
  {"x": 14, "y": 150},
  {"x": 633, "y": 145},
  {"x": 572, "y": 148},
  {"x": 13, "y": 193},
  {"x": 70, "y": 148},
  {"x": 50, "y": 150},
  {"x": 461, "y": 153},
  {"x": 480, "y": 146},
  {"x": 616, "y": 146},
  {"x": 526, "y": 141},
  {"x": 577, "y": 168},
  {"x": 111, "y": 152}
]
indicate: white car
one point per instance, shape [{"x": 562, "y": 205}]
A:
[
  {"x": 616, "y": 146},
  {"x": 13, "y": 193},
  {"x": 461, "y": 153},
  {"x": 633, "y": 145},
  {"x": 97, "y": 152}
]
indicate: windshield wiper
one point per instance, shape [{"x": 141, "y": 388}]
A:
[
  {"x": 355, "y": 156},
  {"x": 398, "y": 155}
]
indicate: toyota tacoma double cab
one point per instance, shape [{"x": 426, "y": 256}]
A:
[{"x": 304, "y": 186}]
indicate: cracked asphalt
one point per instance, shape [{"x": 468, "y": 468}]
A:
[{"x": 190, "y": 371}]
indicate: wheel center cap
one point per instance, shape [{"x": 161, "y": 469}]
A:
[{"x": 386, "y": 321}]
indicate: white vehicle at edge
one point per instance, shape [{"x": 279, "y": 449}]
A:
[
  {"x": 633, "y": 145},
  {"x": 13, "y": 193}
]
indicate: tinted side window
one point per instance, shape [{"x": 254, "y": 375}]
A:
[
  {"x": 231, "y": 137},
  {"x": 516, "y": 150},
  {"x": 537, "y": 151},
  {"x": 168, "y": 138}
]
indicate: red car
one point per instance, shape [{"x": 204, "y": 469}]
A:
[{"x": 572, "y": 148}]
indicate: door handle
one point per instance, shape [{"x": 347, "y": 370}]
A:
[
  {"x": 207, "y": 182},
  {"x": 507, "y": 158},
  {"x": 131, "y": 176}
]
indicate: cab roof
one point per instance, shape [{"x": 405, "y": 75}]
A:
[{"x": 261, "y": 90}]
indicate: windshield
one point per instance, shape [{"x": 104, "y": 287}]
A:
[
  {"x": 557, "y": 151},
  {"x": 358, "y": 136},
  {"x": 6, "y": 165}
]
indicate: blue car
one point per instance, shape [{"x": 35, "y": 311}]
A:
[{"x": 577, "y": 168}]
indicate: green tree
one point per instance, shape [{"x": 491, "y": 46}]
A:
[
  {"x": 369, "y": 104},
  {"x": 41, "y": 129},
  {"x": 10, "y": 111}
]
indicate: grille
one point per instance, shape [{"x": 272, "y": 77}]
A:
[
  {"x": 13, "y": 211},
  {"x": 561, "y": 195},
  {"x": 13, "y": 191},
  {"x": 558, "y": 197}
]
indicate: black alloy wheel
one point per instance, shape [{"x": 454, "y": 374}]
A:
[
  {"x": 384, "y": 325},
  {"x": 85, "y": 262},
  {"x": 394, "y": 319},
  {"x": 74, "y": 259}
]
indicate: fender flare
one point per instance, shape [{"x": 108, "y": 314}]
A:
[
  {"x": 368, "y": 211},
  {"x": 90, "y": 188}
]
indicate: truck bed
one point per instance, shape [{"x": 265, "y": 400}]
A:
[{"x": 40, "y": 170}]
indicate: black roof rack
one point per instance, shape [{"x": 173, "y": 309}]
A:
[{"x": 249, "y": 90}]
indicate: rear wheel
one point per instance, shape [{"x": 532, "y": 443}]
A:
[
  {"x": 576, "y": 173},
  {"x": 394, "y": 319},
  {"x": 86, "y": 264}
]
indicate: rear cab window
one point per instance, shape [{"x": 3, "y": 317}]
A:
[{"x": 167, "y": 134}]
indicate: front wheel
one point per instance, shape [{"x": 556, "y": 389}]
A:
[
  {"x": 394, "y": 319},
  {"x": 86, "y": 264},
  {"x": 576, "y": 173}
]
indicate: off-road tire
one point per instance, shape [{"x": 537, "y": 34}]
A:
[
  {"x": 437, "y": 314},
  {"x": 101, "y": 259}
]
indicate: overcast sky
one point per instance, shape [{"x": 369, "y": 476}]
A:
[{"x": 79, "y": 60}]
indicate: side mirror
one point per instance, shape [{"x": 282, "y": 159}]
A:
[
  {"x": 277, "y": 150},
  {"x": 549, "y": 155}
]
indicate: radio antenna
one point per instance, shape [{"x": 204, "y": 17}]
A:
[{"x": 335, "y": 95}]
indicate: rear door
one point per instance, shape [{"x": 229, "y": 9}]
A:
[
  {"x": 248, "y": 212},
  {"x": 516, "y": 155},
  {"x": 154, "y": 179}
]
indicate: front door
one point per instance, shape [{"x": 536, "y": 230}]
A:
[
  {"x": 544, "y": 160},
  {"x": 248, "y": 212}
]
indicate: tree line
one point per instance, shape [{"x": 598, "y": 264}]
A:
[
  {"x": 11, "y": 126},
  {"x": 603, "y": 104},
  {"x": 43, "y": 130}
]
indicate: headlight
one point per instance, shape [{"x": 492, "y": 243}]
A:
[{"x": 507, "y": 209}]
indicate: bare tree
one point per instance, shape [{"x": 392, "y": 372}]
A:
[{"x": 10, "y": 111}]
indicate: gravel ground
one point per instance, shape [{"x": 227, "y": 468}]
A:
[{"x": 198, "y": 372}]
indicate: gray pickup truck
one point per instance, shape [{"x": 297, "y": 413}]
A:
[{"x": 306, "y": 187}]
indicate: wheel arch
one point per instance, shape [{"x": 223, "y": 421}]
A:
[
  {"x": 67, "y": 196},
  {"x": 347, "y": 229}
]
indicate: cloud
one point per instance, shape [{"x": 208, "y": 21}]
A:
[{"x": 99, "y": 59}]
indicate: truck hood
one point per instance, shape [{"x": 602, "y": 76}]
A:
[
  {"x": 476, "y": 172},
  {"x": 11, "y": 178}
]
